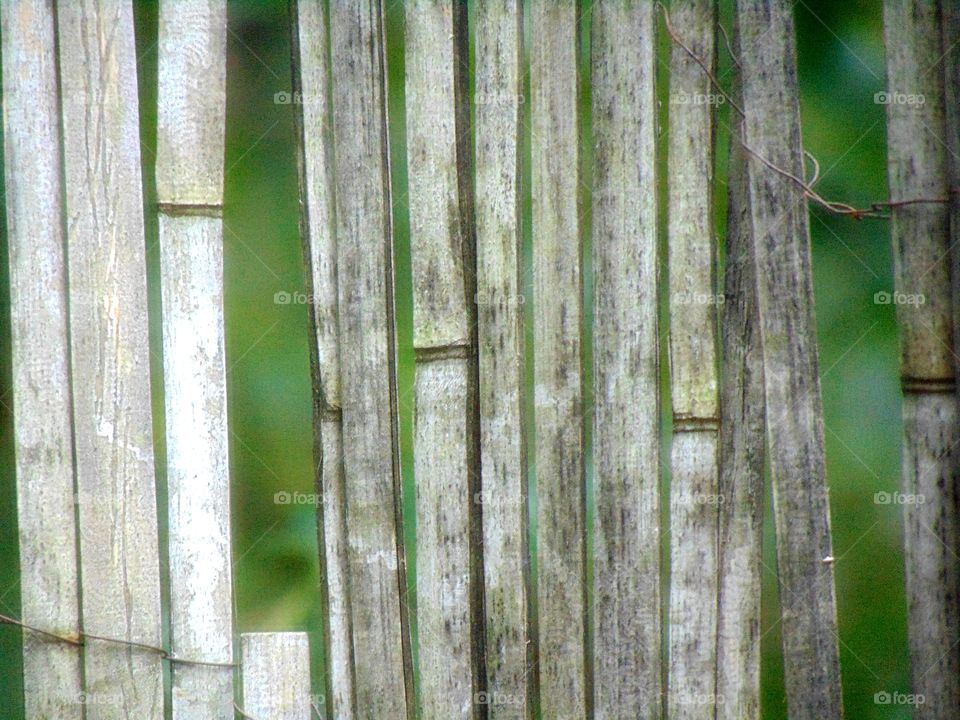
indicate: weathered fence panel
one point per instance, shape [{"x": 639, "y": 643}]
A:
[
  {"x": 190, "y": 147},
  {"x": 110, "y": 359},
  {"x": 510, "y": 652},
  {"x": 368, "y": 371},
  {"x": 276, "y": 676},
  {"x": 741, "y": 450},
  {"x": 43, "y": 438},
  {"x": 446, "y": 450},
  {"x": 311, "y": 62},
  {"x": 558, "y": 376},
  {"x": 931, "y": 424},
  {"x": 794, "y": 412},
  {"x": 694, "y": 485},
  {"x": 626, "y": 436}
]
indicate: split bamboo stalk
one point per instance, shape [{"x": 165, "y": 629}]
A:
[
  {"x": 43, "y": 437},
  {"x": 311, "y": 62},
  {"x": 110, "y": 359},
  {"x": 510, "y": 655},
  {"x": 190, "y": 146},
  {"x": 276, "y": 676},
  {"x": 446, "y": 451},
  {"x": 741, "y": 454},
  {"x": 794, "y": 411},
  {"x": 557, "y": 313},
  {"x": 950, "y": 25},
  {"x": 921, "y": 240},
  {"x": 694, "y": 488},
  {"x": 376, "y": 572},
  {"x": 627, "y": 623}
]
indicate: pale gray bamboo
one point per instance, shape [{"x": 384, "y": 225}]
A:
[
  {"x": 191, "y": 102},
  {"x": 376, "y": 572},
  {"x": 794, "y": 412},
  {"x": 921, "y": 241},
  {"x": 110, "y": 359},
  {"x": 276, "y": 676},
  {"x": 449, "y": 616},
  {"x": 311, "y": 61},
  {"x": 43, "y": 437},
  {"x": 503, "y": 452},
  {"x": 627, "y": 622},
  {"x": 557, "y": 315},
  {"x": 694, "y": 487},
  {"x": 741, "y": 453}
]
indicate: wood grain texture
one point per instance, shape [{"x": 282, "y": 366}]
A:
[
  {"x": 443, "y": 263},
  {"x": 276, "y": 676},
  {"x": 741, "y": 456},
  {"x": 311, "y": 62},
  {"x": 781, "y": 251},
  {"x": 503, "y": 454},
  {"x": 950, "y": 26},
  {"x": 191, "y": 101},
  {"x": 627, "y": 615},
  {"x": 368, "y": 372},
  {"x": 557, "y": 314},
  {"x": 43, "y": 436},
  {"x": 918, "y": 168},
  {"x": 110, "y": 359},
  {"x": 191, "y": 110},
  {"x": 694, "y": 493}
]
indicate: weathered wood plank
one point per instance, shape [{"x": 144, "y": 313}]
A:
[
  {"x": 627, "y": 625},
  {"x": 43, "y": 437},
  {"x": 781, "y": 251},
  {"x": 443, "y": 263},
  {"x": 191, "y": 104},
  {"x": 557, "y": 314},
  {"x": 918, "y": 168},
  {"x": 368, "y": 371},
  {"x": 311, "y": 49},
  {"x": 110, "y": 358},
  {"x": 276, "y": 676},
  {"x": 741, "y": 455},
  {"x": 950, "y": 26},
  {"x": 694, "y": 491},
  {"x": 498, "y": 92}
]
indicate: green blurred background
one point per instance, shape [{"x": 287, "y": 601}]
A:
[{"x": 841, "y": 61}]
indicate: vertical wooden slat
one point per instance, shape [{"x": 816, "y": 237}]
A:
[
  {"x": 781, "y": 250},
  {"x": 557, "y": 313},
  {"x": 741, "y": 455},
  {"x": 190, "y": 145},
  {"x": 318, "y": 228},
  {"x": 950, "y": 26},
  {"x": 449, "y": 620},
  {"x": 694, "y": 487},
  {"x": 276, "y": 676},
  {"x": 498, "y": 93},
  {"x": 627, "y": 635},
  {"x": 368, "y": 370},
  {"x": 43, "y": 438},
  {"x": 110, "y": 358},
  {"x": 921, "y": 240}
]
